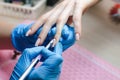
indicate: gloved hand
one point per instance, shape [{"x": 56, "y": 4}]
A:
[
  {"x": 49, "y": 70},
  {"x": 20, "y": 41}
]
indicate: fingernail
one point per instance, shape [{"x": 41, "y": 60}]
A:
[
  {"x": 77, "y": 36},
  {"x": 28, "y": 32},
  {"x": 37, "y": 42},
  {"x": 54, "y": 42}
]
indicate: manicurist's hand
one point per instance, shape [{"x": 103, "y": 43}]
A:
[{"x": 50, "y": 69}]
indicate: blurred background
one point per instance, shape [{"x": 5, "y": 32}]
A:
[{"x": 100, "y": 34}]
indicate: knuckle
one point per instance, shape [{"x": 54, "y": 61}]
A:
[
  {"x": 44, "y": 31},
  {"x": 57, "y": 36},
  {"x": 26, "y": 51},
  {"x": 77, "y": 30},
  {"x": 58, "y": 33},
  {"x": 49, "y": 22},
  {"x": 42, "y": 38},
  {"x": 43, "y": 35},
  {"x": 33, "y": 29},
  {"x": 49, "y": 19},
  {"x": 59, "y": 58},
  {"x": 60, "y": 19},
  {"x": 43, "y": 17},
  {"x": 75, "y": 18},
  {"x": 77, "y": 27}
]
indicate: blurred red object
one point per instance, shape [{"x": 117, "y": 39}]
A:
[
  {"x": 115, "y": 13},
  {"x": 115, "y": 9}
]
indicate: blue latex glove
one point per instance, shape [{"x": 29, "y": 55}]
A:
[
  {"x": 49, "y": 70},
  {"x": 20, "y": 41}
]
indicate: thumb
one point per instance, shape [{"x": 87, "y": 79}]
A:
[
  {"x": 31, "y": 53},
  {"x": 27, "y": 56}
]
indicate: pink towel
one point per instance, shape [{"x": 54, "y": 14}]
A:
[
  {"x": 79, "y": 64},
  {"x": 6, "y": 64}
]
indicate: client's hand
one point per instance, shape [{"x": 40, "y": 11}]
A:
[
  {"x": 68, "y": 11},
  {"x": 20, "y": 41},
  {"x": 50, "y": 68}
]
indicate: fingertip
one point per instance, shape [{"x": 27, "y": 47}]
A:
[
  {"x": 54, "y": 42},
  {"x": 28, "y": 32},
  {"x": 38, "y": 42},
  {"x": 77, "y": 30},
  {"x": 56, "y": 39},
  {"x": 77, "y": 35}
]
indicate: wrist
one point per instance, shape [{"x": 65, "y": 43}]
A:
[{"x": 85, "y": 4}]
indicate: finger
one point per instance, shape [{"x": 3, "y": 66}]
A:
[
  {"x": 30, "y": 53},
  {"x": 77, "y": 19},
  {"x": 26, "y": 58},
  {"x": 38, "y": 24},
  {"x": 49, "y": 23},
  {"x": 51, "y": 58},
  {"x": 48, "y": 68},
  {"x": 62, "y": 20},
  {"x": 41, "y": 21}
]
